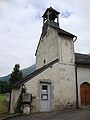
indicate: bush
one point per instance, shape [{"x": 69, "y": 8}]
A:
[{"x": 3, "y": 104}]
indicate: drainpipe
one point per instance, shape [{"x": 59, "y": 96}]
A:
[
  {"x": 76, "y": 87},
  {"x": 75, "y": 38}
]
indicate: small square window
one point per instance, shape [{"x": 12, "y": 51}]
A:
[
  {"x": 44, "y": 61},
  {"x": 44, "y": 87}
]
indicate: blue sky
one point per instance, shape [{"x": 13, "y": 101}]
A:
[{"x": 21, "y": 24}]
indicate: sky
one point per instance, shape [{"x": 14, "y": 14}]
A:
[{"x": 21, "y": 25}]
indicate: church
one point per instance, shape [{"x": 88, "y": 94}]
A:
[{"x": 60, "y": 79}]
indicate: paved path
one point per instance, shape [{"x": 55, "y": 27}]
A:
[{"x": 83, "y": 114}]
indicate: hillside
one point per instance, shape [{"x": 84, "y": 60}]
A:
[{"x": 25, "y": 71}]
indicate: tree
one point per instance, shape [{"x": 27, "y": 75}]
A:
[
  {"x": 16, "y": 74},
  {"x": 4, "y": 87}
]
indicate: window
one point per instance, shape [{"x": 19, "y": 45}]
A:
[
  {"x": 44, "y": 87},
  {"x": 44, "y": 61},
  {"x": 44, "y": 94}
]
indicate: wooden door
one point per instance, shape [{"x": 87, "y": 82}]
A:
[{"x": 85, "y": 94}]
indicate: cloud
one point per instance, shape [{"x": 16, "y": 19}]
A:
[
  {"x": 18, "y": 34},
  {"x": 66, "y": 14}
]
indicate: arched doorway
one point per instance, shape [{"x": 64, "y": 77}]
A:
[{"x": 85, "y": 93}]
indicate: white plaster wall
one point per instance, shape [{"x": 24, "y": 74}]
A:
[
  {"x": 83, "y": 75},
  {"x": 66, "y": 49},
  {"x": 54, "y": 46},
  {"x": 62, "y": 86},
  {"x": 14, "y": 97},
  {"x": 48, "y": 48}
]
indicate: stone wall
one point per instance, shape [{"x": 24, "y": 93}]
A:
[
  {"x": 48, "y": 48},
  {"x": 14, "y": 97},
  {"x": 54, "y": 46},
  {"x": 63, "y": 88}
]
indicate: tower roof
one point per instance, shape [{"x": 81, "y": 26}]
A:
[
  {"x": 50, "y": 10},
  {"x": 59, "y": 31}
]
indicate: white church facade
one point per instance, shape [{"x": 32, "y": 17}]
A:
[{"x": 61, "y": 79}]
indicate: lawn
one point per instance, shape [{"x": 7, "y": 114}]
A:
[{"x": 3, "y": 104}]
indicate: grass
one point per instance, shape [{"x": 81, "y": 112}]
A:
[{"x": 3, "y": 104}]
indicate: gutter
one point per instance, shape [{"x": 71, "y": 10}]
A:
[
  {"x": 77, "y": 105},
  {"x": 75, "y": 38}
]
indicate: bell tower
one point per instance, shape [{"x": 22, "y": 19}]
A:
[
  {"x": 51, "y": 17},
  {"x": 54, "y": 42}
]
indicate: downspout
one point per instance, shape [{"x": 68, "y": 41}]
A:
[
  {"x": 75, "y": 38},
  {"x": 76, "y": 87}
]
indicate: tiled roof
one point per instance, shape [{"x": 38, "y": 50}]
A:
[
  {"x": 82, "y": 59},
  {"x": 56, "y": 27}
]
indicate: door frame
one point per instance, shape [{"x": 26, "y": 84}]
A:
[
  {"x": 85, "y": 94},
  {"x": 43, "y": 81}
]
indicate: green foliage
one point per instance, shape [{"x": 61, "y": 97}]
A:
[
  {"x": 2, "y": 97},
  {"x": 3, "y": 104},
  {"x": 16, "y": 74},
  {"x": 19, "y": 102},
  {"x": 4, "y": 87}
]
